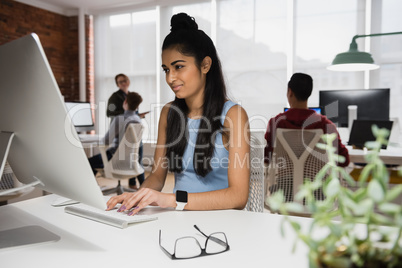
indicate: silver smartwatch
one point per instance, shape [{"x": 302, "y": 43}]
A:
[{"x": 181, "y": 199}]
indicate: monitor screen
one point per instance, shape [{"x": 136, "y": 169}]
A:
[
  {"x": 372, "y": 104},
  {"x": 361, "y": 132},
  {"x": 316, "y": 109},
  {"x": 81, "y": 115},
  {"x": 45, "y": 146}
]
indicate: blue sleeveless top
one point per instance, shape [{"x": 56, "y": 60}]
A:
[{"x": 217, "y": 178}]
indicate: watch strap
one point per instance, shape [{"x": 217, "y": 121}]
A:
[{"x": 180, "y": 205}]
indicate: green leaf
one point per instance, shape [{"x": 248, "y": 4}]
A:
[
  {"x": 349, "y": 203},
  {"x": 375, "y": 191},
  {"x": 363, "y": 207},
  {"x": 321, "y": 174},
  {"x": 321, "y": 146},
  {"x": 359, "y": 194},
  {"x": 374, "y": 129},
  {"x": 389, "y": 208},
  {"x": 372, "y": 144},
  {"x": 275, "y": 201},
  {"x": 294, "y": 207},
  {"x": 393, "y": 193},
  {"x": 341, "y": 159},
  {"x": 340, "y": 262},
  {"x": 381, "y": 220},
  {"x": 332, "y": 188},
  {"x": 295, "y": 225},
  {"x": 282, "y": 227}
]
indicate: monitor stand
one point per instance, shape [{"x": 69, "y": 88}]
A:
[
  {"x": 6, "y": 139},
  {"x": 25, "y": 235}
]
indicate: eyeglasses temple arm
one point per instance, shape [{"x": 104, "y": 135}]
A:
[{"x": 198, "y": 229}]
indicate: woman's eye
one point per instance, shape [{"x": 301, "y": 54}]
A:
[
  {"x": 165, "y": 70},
  {"x": 179, "y": 67}
]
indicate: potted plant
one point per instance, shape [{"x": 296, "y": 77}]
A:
[{"x": 370, "y": 206}]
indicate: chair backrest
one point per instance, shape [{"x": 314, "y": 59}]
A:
[
  {"x": 124, "y": 162},
  {"x": 295, "y": 158},
  {"x": 8, "y": 181},
  {"x": 256, "y": 190}
]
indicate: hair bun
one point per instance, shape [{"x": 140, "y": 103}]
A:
[{"x": 182, "y": 21}]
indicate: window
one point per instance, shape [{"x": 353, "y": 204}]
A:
[
  {"x": 251, "y": 42},
  {"x": 126, "y": 43},
  {"x": 260, "y": 44},
  {"x": 389, "y": 55},
  {"x": 322, "y": 30}
]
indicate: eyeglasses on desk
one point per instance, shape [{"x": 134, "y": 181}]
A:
[{"x": 188, "y": 247}]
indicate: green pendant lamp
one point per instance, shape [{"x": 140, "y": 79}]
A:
[{"x": 355, "y": 60}]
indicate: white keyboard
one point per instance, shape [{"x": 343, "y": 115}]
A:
[{"x": 111, "y": 217}]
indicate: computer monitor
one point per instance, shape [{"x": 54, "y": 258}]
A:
[
  {"x": 45, "y": 147},
  {"x": 362, "y": 132},
  {"x": 81, "y": 115},
  {"x": 372, "y": 104},
  {"x": 316, "y": 109}
]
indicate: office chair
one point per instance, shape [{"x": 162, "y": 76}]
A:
[
  {"x": 295, "y": 158},
  {"x": 124, "y": 162},
  {"x": 8, "y": 181},
  {"x": 256, "y": 190}
]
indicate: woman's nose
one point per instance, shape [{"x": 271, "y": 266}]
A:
[{"x": 171, "y": 77}]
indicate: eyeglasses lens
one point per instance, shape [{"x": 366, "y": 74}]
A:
[
  {"x": 187, "y": 247},
  {"x": 216, "y": 243}
]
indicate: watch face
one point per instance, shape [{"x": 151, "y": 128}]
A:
[{"x": 181, "y": 196}]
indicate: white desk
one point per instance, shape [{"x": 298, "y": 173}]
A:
[
  {"x": 254, "y": 239},
  {"x": 392, "y": 155},
  {"x": 90, "y": 143}
]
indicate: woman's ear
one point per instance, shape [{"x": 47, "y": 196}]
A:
[{"x": 206, "y": 64}]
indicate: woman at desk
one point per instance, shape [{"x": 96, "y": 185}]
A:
[{"x": 202, "y": 137}]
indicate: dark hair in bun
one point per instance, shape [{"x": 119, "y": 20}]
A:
[
  {"x": 182, "y": 21},
  {"x": 187, "y": 39}
]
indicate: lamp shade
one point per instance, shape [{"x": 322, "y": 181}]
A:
[{"x": 353, "y": 60}]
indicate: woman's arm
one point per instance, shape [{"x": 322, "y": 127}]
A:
[{"x": 156, "y": 180}]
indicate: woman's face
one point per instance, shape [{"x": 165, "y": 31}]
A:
[
  {"x": 123, "y": 82},
  {"x": 182, "y": 74}
]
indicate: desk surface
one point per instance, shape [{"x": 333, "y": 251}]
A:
[
  {"x": 254, "y": 239},
  {"x": 89, "y": 138},
  {"x": 392, "y": 155}
]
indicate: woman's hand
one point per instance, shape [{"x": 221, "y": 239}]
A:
[{"x": 140, "y": 199}]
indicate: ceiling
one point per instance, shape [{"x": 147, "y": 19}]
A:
[{"x": 72, "y": 7}]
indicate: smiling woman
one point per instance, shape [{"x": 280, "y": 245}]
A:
[{"x": 201, "y": 133}]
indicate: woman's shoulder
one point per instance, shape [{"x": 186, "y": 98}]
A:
[
  {"x": 166, "y": 108},
  {"x": 228, "y": 105},
  {"x": 164, "y": 113},
  {"x": 235, "y": 111}
]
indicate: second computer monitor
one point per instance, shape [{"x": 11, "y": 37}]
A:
[
  {"x": 81, "y": 115},
  {"x": 316, "y": 109},
  {"x": 372, "y": 104}
]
